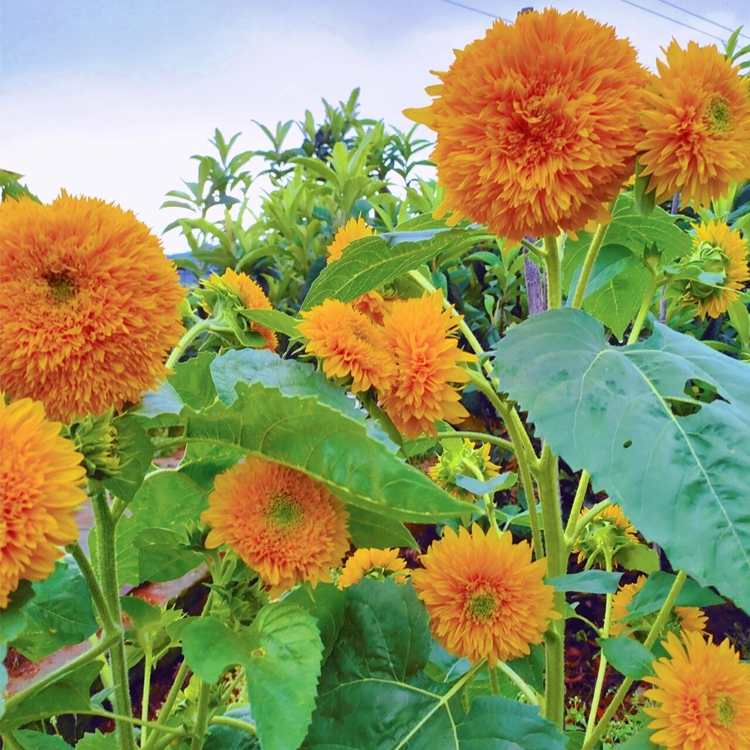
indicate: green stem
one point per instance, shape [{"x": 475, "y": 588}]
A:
[
  {"x": 147, "y": 666},
  {"x": 599, "y": 685},
  {"x": 236, "y": 723},
  {"x": 526, "y": 690},
  {"x": 166, "y": 709},
  {"x": 557, "y": 563},
  {"x": 481, "y": 436},
  {"x": 585, "y": 520},
  {"x": 654, "y": 633},
  {"x": 187, "y": 337},
  {"x": 493, "y": 680},
  {"x": 554, "y": 282},
  {"x": 96, "y": 593},
  {"x": 201, "y": 719},
  {"x": 588, "y": 265},
  {"x": 111, "y": 593},
  {"x": 532, "y": 248},
  {"x": 575, "y": 511},
  {"x": 648, "y": 298},
  {"x": 93, "y": 653}
]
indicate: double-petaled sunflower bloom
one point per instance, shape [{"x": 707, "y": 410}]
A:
[
  {"x": 690, "y": 619},
  {"x": 536, "y": 124},
  {"x": 372, "y": 563},
  {"x": 90, "y": 305},
  {"x": 422, "y": 342},
  {"x": 696, "y": 125},
  {"x": 40, "y": 487},
  {"x": 286, "y": 526},
  {"x": 485, "y": 597},
  {"x": 701, "y": 693}
]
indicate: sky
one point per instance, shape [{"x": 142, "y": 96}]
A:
[{"x": 111, "y": 98}]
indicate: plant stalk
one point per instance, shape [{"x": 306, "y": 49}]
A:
[
  {"x": 481, "y": 436},
  {"x": 575, "y": 511},
  {"x": 187, "y": 337},
  {"x": 554, "y": 281},
  {"x": 166, "y": 709},
  {"x": 588, "y": 265},
  {"x": 640, "y": 318}
]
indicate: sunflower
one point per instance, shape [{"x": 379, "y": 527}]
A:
[
  {"x": 420, "y": 336},
  {"x": 689, "y": 619},
  {"x": 608, "y": 532},
  {"x": 349, "y": 344},
  {"x": 40, "y": 486},
  {"x": 90, "y": 305},
  {"x": 286, "y": 526},
  {"x": 696, "y": 123},
  {"x": 536, "y": 124},
  {"x": 254, "y": 298},
  {"x": 702, "y": 696},
  {"x": 718, "y": 250},
  {"x": 484, "y": 595},
  {"x": 453, "y": 462},
  {"x": 372, "y": 563}
]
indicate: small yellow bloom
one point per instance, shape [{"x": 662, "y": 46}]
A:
[
  {"x": 452, "y": 463},
  {"x": 365, "y": 563}
]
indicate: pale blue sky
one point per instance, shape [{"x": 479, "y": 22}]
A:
[{"x": 110, "y": 98}]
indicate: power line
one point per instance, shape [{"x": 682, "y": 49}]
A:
[
  {"x": 702, "y": 18},
  {"x": 668, "y": 18},
  {"x": 475, "y": 10}
]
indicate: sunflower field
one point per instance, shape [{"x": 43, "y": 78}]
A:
[{"x": 443, "y": 446}]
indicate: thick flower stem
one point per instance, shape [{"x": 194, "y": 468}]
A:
[
  {"x": 166, "y": 709},
  {"x": 110, "y": 590},
  {"x": 588, "y": 265},
  {"x": 654, "y": 633},
  {"x": 96, "y": 593},
  {"x": 187, "y": 337},
  {"x": 554, "y": 280},
  {"x": 640, "y": 319},
  {"x": 557, "y": 564},
  {"x": 575, "y": 511}
]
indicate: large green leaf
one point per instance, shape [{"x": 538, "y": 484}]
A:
[
  {"x": 329, "y": 446},
  {"x": 369, "y": 529},
  {"x": 373, "y": 693},
  {"x": 136, "y": 451},
  {"x": 370, "y": 262},
  {"x": 31, "y": 740},
  {"x": 619, "y": 279},
  {"x": 628, "y": 656},
  {"x": 610, "y": 410},
  {"x": 281, "y": 654},
  {"x": 60, "y": 614},
  {"x": 326, "y": 604}
]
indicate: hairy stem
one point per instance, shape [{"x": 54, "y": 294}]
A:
[
  {"x": 166, "y": 709},
  {"x": 183, "y": 343},
  {"x": 588, "y": 265},
  {"x": 554, "y": 281},
  {"x": 640, "y": 318},
  {"x": 236, "y": 723},
  {"x": 524, "y": 688},
  {"x": 575, "y": 511},
  {"x": 147, "y": 666},
  {"x": 96, "y": 593}
]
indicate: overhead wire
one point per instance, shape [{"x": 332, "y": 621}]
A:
[
  {"x": 669, "y": 18},
  {"x": 702, "y": 18},
  {"x": 475, "y": 10}
]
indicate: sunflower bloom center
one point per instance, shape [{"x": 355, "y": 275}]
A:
[
  {"x": 719, "y": 115},
  {"x": 285, "y": 512},
  {"x": 726, "y": 711},
  {"x": 61, "y": 285},
  {"x": 481, "y": 606}
]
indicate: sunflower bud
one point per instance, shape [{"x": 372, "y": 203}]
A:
[
  {"x": 96, "y": 438},
  {"x": 462, "y": 458},
  {"x": 604, "y": 537}
]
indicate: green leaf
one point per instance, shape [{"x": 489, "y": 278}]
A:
[
  {"x": 638, "y": 557},
  {"x": 292, "y": 378},
  {"x": 60, "y": 614},
  {"x": 608, "y": 410},
  {"x": 326, "y": 604},
  {"x": 628, "y": 656},
  {"x": 615, "y": 300},
  {"x": 369, "y": 529},
  {"x": 740, "y": 319},
  {"x": 136, "y": 451},
  {"x": 640, "y": 741},
  {"x": 31, "y": 740},
  {"x": 222, "y": 737},
  {"x": 97, "y": 741},
  {"x": 371, "y": 262},
  {"x": 496, "y": 484},
  {"x": 141, "y": 614},
  {"x": 161, "y": 558},
  {"x": 656, "y": 590},
  {"x": 281, "y": 654},
  {"x": 192, "y": 381},
  {"x": 275, "y": 320},
  {"x": 588, "y": 582},
  {"x": 68, "y": 695},
  {"x": 327, "y": 445}
]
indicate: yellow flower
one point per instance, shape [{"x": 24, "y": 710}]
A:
[
  {"x": 690, "y": 619},
  {"x": 536, "y": 124},
  {"x": 607, "y": 532},
  {"x": 484, "y": 595},
  {"x": 696, "y": 123},
  {"x": 349, "y": 344},
  {"x": 420, "y": 336},
  {"x": 453, "y": 462},
  {"x": 702, "y": 696},
  {"x": 90, "y": 305},
  {"x": 286, "y": 526},
  {"x": 372, "y": 563},
  {"x": 718, "y": 249},
  {"x": 40, "y": 487}
]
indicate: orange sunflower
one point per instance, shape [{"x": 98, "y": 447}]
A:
[
  {"x": 690, "y": 619},
  {"x": 536, "y": 124},
  {"x": 718, "y": 249},
  {"x": 286, "y": 526},
  {"x": 702, "y": 696},
  {"x": 90, "y": 305},
  {"x": 484, "y": 595},
  {"x": 420, "y": 336},
  {"x": 254, "y": 298},
  {"x": 375, "y": 563},
  {"x": 696, "y": 125},
  {"x": 40, "y": 487},
  {"x": 349, "y": 344}
]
